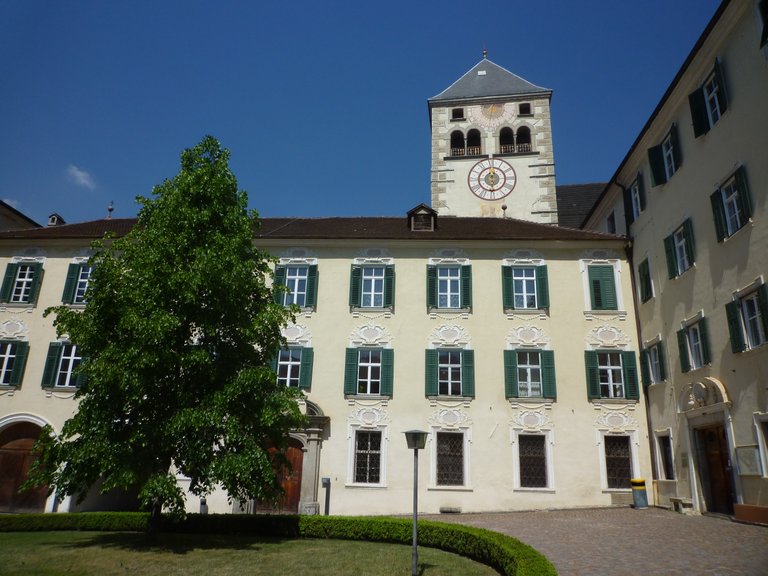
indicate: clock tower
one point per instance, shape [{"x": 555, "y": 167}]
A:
[{"x": 492, "y": 147}]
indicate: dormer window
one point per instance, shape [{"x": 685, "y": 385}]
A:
[
  {"x": 457, "y": 114},
  {"x": 422, "y": 219},
  {"x": 525, "y": 109}
]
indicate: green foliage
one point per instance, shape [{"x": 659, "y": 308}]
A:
[
  {"x": 507, "y": 555},
  {"x": 177, "y": 335}
]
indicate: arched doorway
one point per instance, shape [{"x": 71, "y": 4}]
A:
[{"x": 16, "y": 457}]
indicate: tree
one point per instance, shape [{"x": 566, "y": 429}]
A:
[{"x": 177, "y": 337}]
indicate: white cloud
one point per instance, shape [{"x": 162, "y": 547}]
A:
[
  {"x": 11, "y": 202},
  {"x": 80, "y": 177}
]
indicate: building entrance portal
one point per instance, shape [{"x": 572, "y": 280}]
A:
[
  {"x": 16, "y": 458},
  {"x": 290, "y": 482},
  {"x": 715, "y": 469}
]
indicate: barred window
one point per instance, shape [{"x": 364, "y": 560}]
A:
[
  {"x": 368, "y": 457},
  {"x": 533, "y": 460},
  {"x": 618, "y": 461},
  {"x": 450, "y": 459}
]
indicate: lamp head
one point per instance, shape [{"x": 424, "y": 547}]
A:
[{"x": 416, "y": 439}]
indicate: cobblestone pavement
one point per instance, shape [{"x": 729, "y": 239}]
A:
[{"x": 629, "y": 542}]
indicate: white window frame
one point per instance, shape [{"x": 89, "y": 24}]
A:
[
  {"x": 548, "y": 435},
  {"x": 734, "y": 220},
  {"x": 634, "y": 194},
  {"x": 293, "y": 294},
  {"x": 761, "y": 431},
  {"x": 528, "y": 368},
  {"x": 372, "y": 280},
  {"x": 667, "y": 150},
  {"x": 467, "y": 440},
  {"x": 450, "y": 368},
  {"x": 610, "y": 370},
  {"x": 634, "y": 457},
  {"x": 450, "y": 274},
  {"x": 6, "y": 357},
  {"x": 695, "y": 348},
  {"x": 654, "y": 363},
  {"x": 69, "y": 360},
  {"x": 83, "y": 279},
  {"x": 751, "y": 320},
  {"x": 293, "y": 366},
  {"x": 526, "y": 275},
  {"x": 682, "y": 258},
  {"x": 369, "y": 365},
  {"x": 657, "y": 435},
  {"x": 712, "y": 97},
  {"x": 352, "y": 456}
]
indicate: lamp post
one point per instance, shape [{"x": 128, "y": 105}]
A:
[{"x": 416, "y": 440}]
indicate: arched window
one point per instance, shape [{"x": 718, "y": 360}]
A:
[
  {"x": 473, "y": 142},
  {"x": 457, "y": 143},
  {"x": 506, "y": 140},
  {"x": 524, "y": 139}
]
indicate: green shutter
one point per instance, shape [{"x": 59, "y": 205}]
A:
[
  {"x": 70, "y": 285},
  {"x": 682, "y": 344},
  {"x": 466, "y": 286},
  {"x": 734, "y": 327},
  {"x": 21, "y": 351},
  {"x": 305, "y": 368},
  {"x": 542, "y": 287},
  {"x": 677, "y": 152},
  {"x": 430, "y": 373},
  {"x": 548, "y": 380},
  {"x": 37, "y": 282},
  {"x": 718, "y": 211},
  {"x": 706, "y": 357},
  {"x": 629, "y": 213},
  {"x": 8, "y": 282},
  {"x": 468, "y": 373},
  {"x": 698, "y": 104},
  {"x": 355, "y": 286},
  {"x": 431, "y": 286},
  {"x": 629, "y": 369},
  {"x": 722, "y": 89},
  {"x": 387, "y": 371},
  {"x": 389, "y": 286},
  {"x": 690, "y": 247},
  {"x": 351, "y": 362},
  {"x": 593, "y": 374},
  {"x": 311, "y": 299},
  {"x": 273, "y": 361},
  {"x": 762, "y": 304},
  {"x": 507, "y": 288},
  {"x": 279, "y": 280},
  {"x": 662, "y": 361},
  {"x": 511, "y": 389},
  {"x": 669, "y": 250},
  {"x": 645, "y": 369},
  {"x": 52, "y": 364},
  {"x": 644, "y": 272},
  {"x": 641, "y": 190},
  {"x": 602, "y": 287},
  {"x": 743, "y": 198},
  {"x": 656, "y": 160}
]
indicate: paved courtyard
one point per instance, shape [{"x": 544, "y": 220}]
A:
[{"x": 629, "y": 542}]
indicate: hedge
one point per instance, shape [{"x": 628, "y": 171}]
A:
[{"x": 507, "y": 555}]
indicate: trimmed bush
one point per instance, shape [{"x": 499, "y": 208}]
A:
[{"x": 507, "y": 555}]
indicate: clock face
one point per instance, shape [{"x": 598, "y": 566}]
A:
[{"x": 492, "y": 179}]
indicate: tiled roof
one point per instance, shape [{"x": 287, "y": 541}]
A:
[
  {"x": 486, "y": 80},
  {"x": 574, "y": 201},
  {"x": 378, "y": 228}
]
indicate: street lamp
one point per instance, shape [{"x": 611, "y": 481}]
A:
[{"x": 416, "y": 440}]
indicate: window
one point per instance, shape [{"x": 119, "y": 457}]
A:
[
  {"x": 665, "y": 159},
  {"x": 618, "y": 461},
  {"x": 523, "y": 139},
  {"x": 525, "y": 109},
  {"x": 449, "y": 287},
  {"x": 731, "y": 205},
  {"x": 529, "y": 374},
  {"x": 473, "y": 142},
  {"x": 611, "y": 374},
  {"x": 602, "y": 287},
  {"x": 644, "y": 277},
  {"x": 21, "y": 284},
  {"x": 367, "y": 457},
  {"x": 748, "y": 320},
  {"x": 61, "y": 366},
  {"x": 708, "y": 102},
  {"x": 634, "y": 200},
  {"x": 458, "y": 147},
  {"x": 532, "y": 460},
  {"x": 300, "y": 281},
  {"x": 457, "y": 114},
  {"x": 450, "y": 372},
  {"x": 679, "y": 249},
  {"x": 652, "y": 364},
  {"x": 76, "y": 284},
  {"x": 693, "y": 343},
  {"x": 610, "y": 223},
  {"x": 666, "y": 463},
  {"x": 294, "y": 367},
  {"x": 450, "y": 459},
  {"x": 369, "y": 371},
  {"x": 506, "y": 140},
  {"x": 372, "y": 286},
  {"x": 525, "y": 287},
  {"x": 13, "y": 358}
]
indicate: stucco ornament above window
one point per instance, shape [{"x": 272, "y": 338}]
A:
[
  {"x": 707, "y": 392},
  {"x": 297, "y": 334},
  {"x": 450, "y": 335},
  {"x": 607, "y": 337}
]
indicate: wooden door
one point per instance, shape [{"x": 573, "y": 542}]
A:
[
  {"x": 715, "y": 469},
  {"x": 290, "y": 482},
  {"x": 16, "y": 458}
]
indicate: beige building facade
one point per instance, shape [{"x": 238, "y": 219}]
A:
[{"x": 691, "y": 193}]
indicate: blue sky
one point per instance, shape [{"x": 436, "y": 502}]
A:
[{"x": 322, "y": 104}]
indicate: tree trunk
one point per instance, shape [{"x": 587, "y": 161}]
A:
[{"x": 154, "y": 520}]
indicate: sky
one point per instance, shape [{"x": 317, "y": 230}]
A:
[{"x": 322, "y": 104}]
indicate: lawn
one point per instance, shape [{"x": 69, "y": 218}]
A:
[{"x": 125, "y": 553}]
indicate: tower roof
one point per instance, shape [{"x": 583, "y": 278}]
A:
[{"x": 487, "y": 80}]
